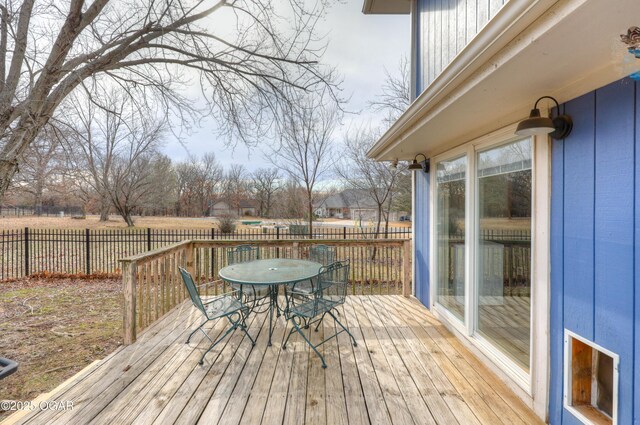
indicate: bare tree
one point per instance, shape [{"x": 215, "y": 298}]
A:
[
  {"x": 246, "y": 54},
  {"x": 162, "y": 194},
  {"x": 379, "y": 180},
  {"x": 236, "y": 186},
  {"x": 42, "y": 169},
  {"x": 131, "y": 181},
  {"x": 395, "y": 96},
  {"x": 304, "y": 152},
  {"x": 292, "y": 201},
  {"x": 114, "y": 149},
  {"x": 198, "y": 183},
  {"x": 265, "y": 185}
]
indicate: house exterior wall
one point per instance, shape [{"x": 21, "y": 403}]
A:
[
  {"x": 595, "y": 229},
  {"x": 443, "y": 29}
]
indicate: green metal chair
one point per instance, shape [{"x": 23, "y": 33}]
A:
[
  {"x": 322, "y": 254},
  {"x": 329, "y": 293},
  {"x": 243, "y": 254},
  {"x": 226, "y": 305}
]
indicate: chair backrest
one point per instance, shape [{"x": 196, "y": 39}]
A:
[
  {"x": 333, "y": 280},
  {"x": 193, "y": 291},
  {"x": 322, "y": 254},
  {"x": 242, "y": 254}
]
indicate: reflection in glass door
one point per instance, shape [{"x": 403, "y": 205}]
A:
[
  {"x": 503, "y": 252},
  {"x": 450, "y": 219}
]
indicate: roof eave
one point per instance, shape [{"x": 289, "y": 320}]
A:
[{"x": 386, "y": 7}]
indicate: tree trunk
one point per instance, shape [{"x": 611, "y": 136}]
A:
[
  {"x": 128, "y": 219},
  {"x": 310, "y": 200},
  {"x": 7, "y": 170},
  {"x": 105, "y": 206},
  {"x": 126, "y": 216}
]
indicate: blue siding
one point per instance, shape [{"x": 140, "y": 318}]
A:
[
  {"x": 444, "y": 29},
  {"x": 594, "y": 228},
  {"x": 421, "y": 223}
]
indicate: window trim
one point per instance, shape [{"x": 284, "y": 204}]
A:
[{"x": 535, "y": 382}]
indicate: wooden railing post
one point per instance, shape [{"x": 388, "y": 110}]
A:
[
  {"x": 295, "y": 252},
  {"x": 129, "y": 281},
  {"x": 190, "y": 266},
  {"x": 406, "y": 268}
]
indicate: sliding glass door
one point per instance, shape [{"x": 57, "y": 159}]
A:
[
  {"x": 503, "y": 249},
  {"x": 498, "y": 183},
  {"x": 450, "y": 219}
]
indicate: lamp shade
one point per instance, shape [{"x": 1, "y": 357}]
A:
[
  {"x": 535, "y": 124},
  {"x": 415, "y": 165}
]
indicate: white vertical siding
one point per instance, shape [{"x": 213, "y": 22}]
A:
[{"x": 446, "y": 27}]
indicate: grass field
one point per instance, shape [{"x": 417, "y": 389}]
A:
[
  {"x": 54, "y": 328},
  {"x": 116, "y": 222}
]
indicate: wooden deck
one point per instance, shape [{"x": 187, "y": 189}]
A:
[{"x": 406, "y": 369}]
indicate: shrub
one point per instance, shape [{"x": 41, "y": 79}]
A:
[{"x": 227, "y": 224}]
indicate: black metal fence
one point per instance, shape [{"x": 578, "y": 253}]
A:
[
  {"x": 44, "y": 210},
  {"x": 25, "y": 252}
]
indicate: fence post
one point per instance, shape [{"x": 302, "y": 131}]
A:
[
  {"x": 277, "y": 232},
  {"x": 295, "y": 253},
  {"x": 87, "y": 251},
  {"x": 406, "y": 268},
  {"x": 148, "y": 238},
  {"x": 129, "y": 282},
  {"x": 344, "y": 232},
  {"x": 190, "y": 266},
  {"x": 26, "y": 251}
]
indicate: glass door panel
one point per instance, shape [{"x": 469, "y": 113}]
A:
[
  {"x": 503, "y": 252},
  {"x": 450, "y": 229}
]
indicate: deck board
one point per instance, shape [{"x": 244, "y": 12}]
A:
[{"x": 407, "y": 368}]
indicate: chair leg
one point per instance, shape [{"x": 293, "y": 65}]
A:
[
  {"x": 320, "y": 321},
  {"x": 292, "y": 330},
  {"x": 242, "y": 325},
  {"x": 196, "y": 330},
  {"x": 301, "y": 332},
  {"x": 231, "y": 329},
  {"x": 355, "y": 344}
]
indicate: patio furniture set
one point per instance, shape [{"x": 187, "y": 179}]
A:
[{"x": 313, "y": 290}]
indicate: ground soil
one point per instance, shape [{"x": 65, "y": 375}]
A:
[{"x": 53, "y": 328}]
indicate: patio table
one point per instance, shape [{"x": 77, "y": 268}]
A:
[{"x": 271, "y": 274}]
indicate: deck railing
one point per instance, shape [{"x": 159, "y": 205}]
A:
[{"x": 152, "y": 285}]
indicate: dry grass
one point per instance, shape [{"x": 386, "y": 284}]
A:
[
  {"x": 54, "y": 328},
  {"x": 116, "y": 222}
]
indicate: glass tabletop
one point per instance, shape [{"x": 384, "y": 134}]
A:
[{"x": 270, "y": 272}]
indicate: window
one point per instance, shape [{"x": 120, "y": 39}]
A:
[
  {"x": 450, "y": 248},
  {"x": 503, "y": 248},
  {"x": 591, "y": 381},
  {"x": 483, "y": 250}
]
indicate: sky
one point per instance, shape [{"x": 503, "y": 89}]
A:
[{"x": 360, "y": 46}]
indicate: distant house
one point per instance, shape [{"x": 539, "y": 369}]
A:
[
  {"x": 351, "y": 204},
  {"x": 222, "y": 207}
]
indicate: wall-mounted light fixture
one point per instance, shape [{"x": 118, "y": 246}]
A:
[
  {"x": 558, "y": 127},
  {"x": 424, "y": 165}
]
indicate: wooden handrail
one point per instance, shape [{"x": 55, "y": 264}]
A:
[{"x": 152, "y": 285}]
